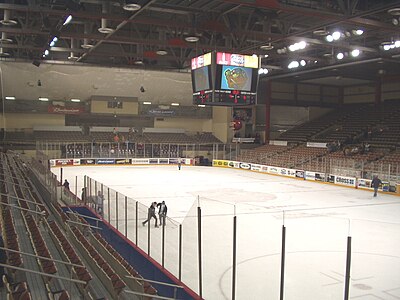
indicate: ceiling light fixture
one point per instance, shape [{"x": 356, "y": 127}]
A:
[
  {"x": 329, "y": 38},
  {"x": 5, "y": 39},
  {"x": 131, "y": 5},
  {"x": 336, "y": 35},
  {"x": 43, "y": 99},
  {"x": 161, "y": 52},
  {"x": 192, "y": 39},
  {"x": 358, "y": 31},
  {"x": 75, "y": 100},
  {"x": 104, "y": 29},
  {"x": 267, "y": 47},
  {"x": 340, "y": 56},
  {"x": 355, "y": 53},
  {"x": 175, "y": 104},
  {"x": 146, "y": 103},
  {"x": 201, "y": 105},
  {"x": 394, "y": 11},
  {"x": 293, "y": 64},
  {"x": 67, "y": 20},
  {"x": 320, "y": 32},
  {"x": 9, "y": 97},
  {"x": 6, "y": 19}
]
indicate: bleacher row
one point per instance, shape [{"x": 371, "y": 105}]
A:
[
  {"x": 379, "y": 126},
  {"x": 107, "y": 137},
  {"x": 54, "y": 255},
  {"x": 352, "y": 127}
]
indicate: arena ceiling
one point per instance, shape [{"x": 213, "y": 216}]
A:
[{"x": 166, "y": 34}]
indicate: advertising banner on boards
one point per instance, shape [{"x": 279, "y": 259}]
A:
[
  {"x": 348, "y": 181},
  {"x": 64, "y": 162},
  {"x": 123, "y": 161},
  {"x": 88, "y": 161},
  {"x": 105, "y": 161}
]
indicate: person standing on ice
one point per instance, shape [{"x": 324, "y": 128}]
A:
[
  {"x": 375, "y": 184},
  {"x": 179, "y": 163},
  {"x": 162, "y": 212},
  {"x": 151, "y": 213}
]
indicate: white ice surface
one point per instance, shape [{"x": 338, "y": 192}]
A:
[{"x": 318, "y": 219}]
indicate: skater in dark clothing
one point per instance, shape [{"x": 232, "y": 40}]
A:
[
  {"x": 375, "y": 184},
  {"x": 179, "y": 164},
  {"x": 162, "y": 212},
  {"x": 66, "y": 185},
  {"x": 151, "y": 214}
]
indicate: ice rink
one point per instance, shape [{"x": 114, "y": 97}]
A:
[{"x": 318, "y": 219}]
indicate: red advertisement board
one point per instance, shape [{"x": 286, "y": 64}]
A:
[{"x": 56, "y": 109}]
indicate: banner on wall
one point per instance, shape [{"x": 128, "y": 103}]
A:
[
  {"x": 299, "y": 173},
  {"x": 122, "y": 161},
  {"x": 273, "y": 170},
  {"x": 330, "y": 178},
  {"x": 364, "y": 183},
  {"x": 319, "y": 176},
  {"x": 256, "y": 167},
  {"x": 144, "y": 161},
  {"x": 310, "y": 175},
  {"x": 161, "y": 161},
  {"x": 245, "y": 166},
  {"x": 63, "y": 162},
  {"x": 88, "y": 161},
  {"x": 105, "y": 161},
  {"x": 347, "y": 181},
  {"x": 278, "y": 143},
  {"x": 385, "y": 186},
  {"x": 57, "y": 109},
  {"x": 316, "y": 145}
]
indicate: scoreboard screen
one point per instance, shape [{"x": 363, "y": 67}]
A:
[{"x": 225, "y": 79}]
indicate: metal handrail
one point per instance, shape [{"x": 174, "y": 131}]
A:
[
  {"x": 87, "y": 225},
  {"x": 23, "y": 199},
  {"x": 42, "y": 213},
  {"x": 42, "y": 273},
  {"x": 41, "y": 257},
  {"x": 85, "y": 216}
]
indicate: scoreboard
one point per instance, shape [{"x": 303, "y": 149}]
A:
[{"x": 225, "y": 79}]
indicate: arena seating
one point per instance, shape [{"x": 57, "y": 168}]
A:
[{"x": 48, "y": 245}]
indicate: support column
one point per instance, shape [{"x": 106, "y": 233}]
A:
[{"x": 268, "y": 100}]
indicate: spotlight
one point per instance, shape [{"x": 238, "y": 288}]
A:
[
  {"x": 329, "y": 38},
  {"x": 67, "y": 20},
  {"x": 303, "y": 63},
  {"x": 336, "y": 35},
  {"x": 355, "y": 53},
  {"x": 358, "y": 32},
  {"x": 294, "y": 64},
  {"x": 340, "y": 56}
]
